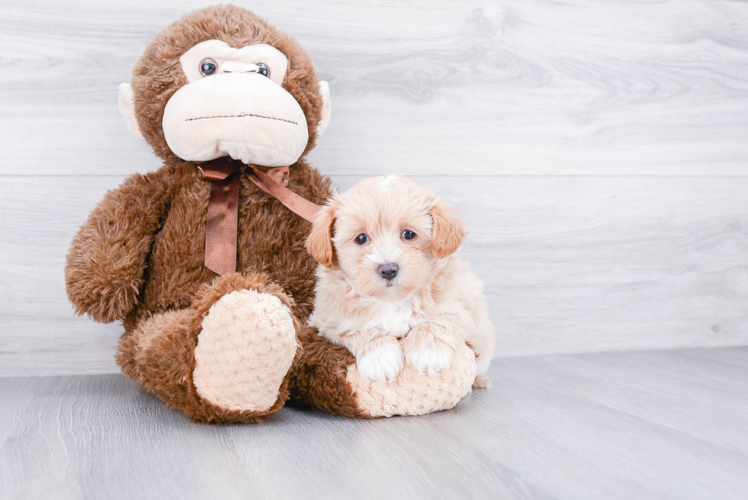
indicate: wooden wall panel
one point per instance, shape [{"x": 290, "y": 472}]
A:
[
  {"x": 518, "y": 87},
  {"x": 569, "y": 264},
  {"x": 599, "y": 151}
]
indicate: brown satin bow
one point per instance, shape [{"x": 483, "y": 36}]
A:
[{"x": 223, "y": 207}]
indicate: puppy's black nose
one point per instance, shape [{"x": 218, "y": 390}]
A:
[{"x": 388, "y": 271}]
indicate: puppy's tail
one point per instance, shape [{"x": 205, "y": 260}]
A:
[{"x": 482, "y": 382}]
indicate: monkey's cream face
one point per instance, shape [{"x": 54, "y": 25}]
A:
[
  {"x": 234, "y": 105},
  {"x": 382, "y": 237}
]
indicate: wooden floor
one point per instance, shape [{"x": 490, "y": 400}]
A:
[{"x": 667, "y": 424}]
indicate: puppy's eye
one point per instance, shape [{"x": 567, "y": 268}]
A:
[
  {"x": 263, "y": 69},
  {"x": 408, "y": 234},
  {"x": 362, "y": 239},
  {"x": 208, "y": 67}
]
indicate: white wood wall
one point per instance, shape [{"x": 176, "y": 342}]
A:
[{"x": 598, "y": 150}]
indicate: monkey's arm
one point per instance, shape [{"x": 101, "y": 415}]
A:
[{"x": 107, "y": 258}]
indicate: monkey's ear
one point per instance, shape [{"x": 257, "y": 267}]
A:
[
  {"x": 447, "y": 231},
  {"x": 324, "y": 121},
  {"x": 127, "y": 108},
  {"x": 319, "y": 243}
]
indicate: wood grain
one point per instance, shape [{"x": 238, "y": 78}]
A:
[
  {"x": 569, "y": 264},
  {"x": 520, "y": 87},
  {"x": 598, "y": 151},
  {"x": 668, "y": 424}
]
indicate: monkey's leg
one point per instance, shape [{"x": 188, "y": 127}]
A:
[
  {"x": 325, "y": 376},
  {"x": 225, "y": 359}
]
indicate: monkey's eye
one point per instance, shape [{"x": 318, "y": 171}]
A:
[
  {"x": 208, "y": 67},
  {"x": 407, "y": 234},
  {"x": 362, "y": 239},
  {"x": 263, "y": 69}
]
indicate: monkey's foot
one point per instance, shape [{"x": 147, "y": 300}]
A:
[
  {"x": 414, "y": 393},
  {"x": 244, "y": 351}
]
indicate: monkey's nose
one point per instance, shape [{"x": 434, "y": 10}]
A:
[
  {"x": 238, "y": 67},
  {"x": 388, "y": 271}
]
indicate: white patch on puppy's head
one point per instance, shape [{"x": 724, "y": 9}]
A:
[{"x": 385, "y": 181}]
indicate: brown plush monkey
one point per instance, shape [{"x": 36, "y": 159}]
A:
[{"x": 231, "y": 346}]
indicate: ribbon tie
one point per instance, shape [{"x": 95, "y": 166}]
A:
[{"x": 223, "y": 207}]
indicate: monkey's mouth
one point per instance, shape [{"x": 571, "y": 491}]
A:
[{"x": 240, "y": 115}]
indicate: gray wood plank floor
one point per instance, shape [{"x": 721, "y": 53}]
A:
[{"x": 666, "y": 424}]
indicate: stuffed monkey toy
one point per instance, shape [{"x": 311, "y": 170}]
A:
[{"x": 201, "y": 260}]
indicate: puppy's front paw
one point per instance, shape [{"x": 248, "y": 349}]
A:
[
  {"x": 427, "y": 352},
  {"x": 431, "y": 360},
  {"x": 382, "y": 363}
]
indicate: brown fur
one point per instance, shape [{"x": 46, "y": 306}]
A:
[
  {"x": 319, "y": 378},
  {"x": 139, "y": 257},
  {"x": 159, "y": 354},
  {"x": 158, "y": 74}
]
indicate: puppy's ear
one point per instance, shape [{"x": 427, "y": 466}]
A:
[
  {"x": 447, "y": 231},
  {"x": 319, "y": 242}
]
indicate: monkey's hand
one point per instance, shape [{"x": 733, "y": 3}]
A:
[{"x": 107, "y": 257}]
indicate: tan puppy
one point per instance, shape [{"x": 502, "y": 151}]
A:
[{"x": 387, "y": 272}]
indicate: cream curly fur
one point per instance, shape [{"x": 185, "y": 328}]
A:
[{"x": 428, "y": 310}]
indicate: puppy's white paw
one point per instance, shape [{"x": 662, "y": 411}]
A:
[
  {"x": 382, "y": 363},
  {"x": 431, "y": 360}
]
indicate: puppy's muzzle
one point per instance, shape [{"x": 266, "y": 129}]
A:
[{"x": 388, "y": 271}]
